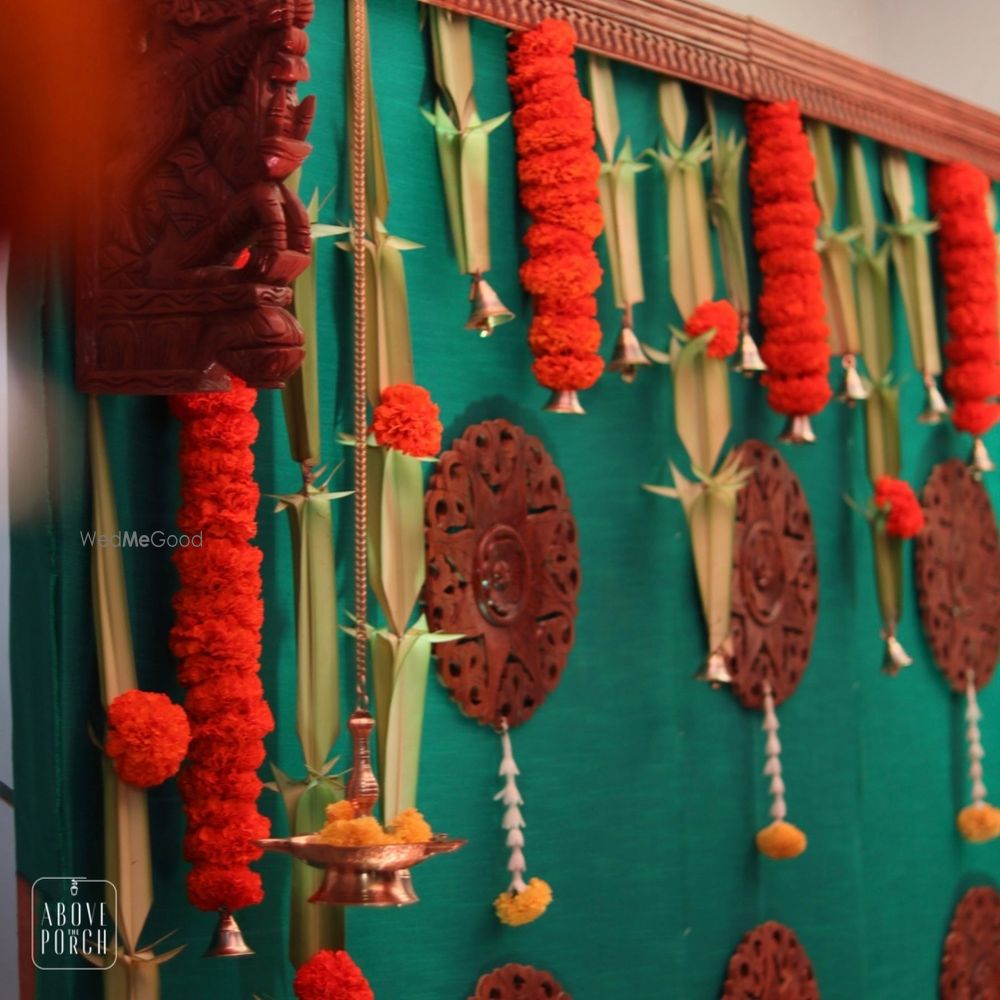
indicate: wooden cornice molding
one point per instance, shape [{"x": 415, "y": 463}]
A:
[{"x": 745, "y": 57}]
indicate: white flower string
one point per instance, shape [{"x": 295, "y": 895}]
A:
[
  {"x": 772, "y": 747},
  {"x": 513, "y": 821},
  {"x": 973, "y": 737}
]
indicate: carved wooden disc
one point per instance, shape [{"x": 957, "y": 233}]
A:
[
  {"x": 519, "y": 982},
  {"x": 775, "y": 579},
  {"x": 970, "y": 963},
  {"x": 958, "y": 574},
  {"x": 770, "y": 964},
  {"x": 503, "y": 569}
]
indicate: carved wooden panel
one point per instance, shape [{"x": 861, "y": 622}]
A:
[
  {"x": 770, "y": 964},
  {"x": 775, "y": 579},
  {"x": 970, "y": 963},
  {"x": 503, "y": 569},
  {"x": 740, "y": 55},
  {"x": 184, "y": 268},
  {"x": 957, "y": 568},
  {"x": 519, "y": 982}
]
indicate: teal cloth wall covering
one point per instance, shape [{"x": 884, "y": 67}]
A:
[{"x": 643, "y": 788}]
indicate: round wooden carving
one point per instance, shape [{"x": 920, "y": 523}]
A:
[
  {"x": 770, "y": 964},
  {"x": 970, "y": 964},
  {"x": 775, "y": 580},
  {"x": 958, "y": 575},
  {"x": 503, "y": 569},
  {"x": 519, "y": 982}
]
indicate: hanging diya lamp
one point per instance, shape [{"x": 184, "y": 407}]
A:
[
  {"x": 366, "y": 866},
  {"x": 774, "y": 609},
  {"x": 503, "y": 571},
  {"x": 958, "y": 587}
]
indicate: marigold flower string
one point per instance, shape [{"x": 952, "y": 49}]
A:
[
  {"x": 780, "y": 839},
  {"x": 523, "y": 901},
  {"x": 967, "y": 254},
  {"x": 557, "y": 173},
  {"x": 791, "y": 308},
  {"x": 216, "y": 640}
]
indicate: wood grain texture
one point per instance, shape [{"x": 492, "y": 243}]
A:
[{"x": 745, "y": 57}]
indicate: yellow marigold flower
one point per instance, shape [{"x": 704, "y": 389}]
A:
[
  {"x": 364, "y": 831},
  {"x": 781, "y": 840},
  {"x": 410, "y": 827},
  {"x": 979, "y": 823},
  {"x": 516, "y": 908},
  {"x": 344, "y": 809}
]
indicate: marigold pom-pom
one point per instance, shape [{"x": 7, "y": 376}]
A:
[
  {"x": 147, "y": 737},
  {"x": 215, "y": 887},
  {"x": 979, "y": 823},
  {"x": 781, "y": 840},
  {"x": 331, "y": 975},
  {"x": 517, "y": 908},
  {"x": 904, "y": 515},
  {"x": 406, "y": 419},
  {"x": 410, "y": 827},
  {"x": 721, "y": 318}
]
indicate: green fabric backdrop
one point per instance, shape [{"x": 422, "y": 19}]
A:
[{"x": 643, "y": 788}]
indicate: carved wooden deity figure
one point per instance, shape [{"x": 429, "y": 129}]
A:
[{"x": 186, "y": 264}]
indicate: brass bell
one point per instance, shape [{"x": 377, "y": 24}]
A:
[
  {"x": 487, "y": 311},
  {"x": 750, "y": 362},
  {"x": 564, "y": 401},
  {"x": 853, "y": 389},
  {"x": 227, "y": 939},
  {"x": 935, "y": 407},
  {"x": 628, "y": 355},
  {"x": 714, "y": 670},
  {"x": 895, "y": 656},
  {"x": 798, "y": 430},
  {"x": 980, "y": 461}
]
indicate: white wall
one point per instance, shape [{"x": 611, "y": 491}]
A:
[{"x": 948, "y": 46}]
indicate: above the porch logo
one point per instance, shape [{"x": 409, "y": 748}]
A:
[{"x": 74, "y": 926}]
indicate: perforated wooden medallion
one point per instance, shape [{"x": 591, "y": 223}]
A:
[
  {"x": 519, "y": 982},
  {"x": 503, "y": 569},
  {"x": 775, "y": 579},
  {"x": 957, "y": 568},
  {"x": 770, "y": 964},
  {"x": 970, "y": 963}
]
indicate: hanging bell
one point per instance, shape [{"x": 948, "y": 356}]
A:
[
  {"x": 628, "y": 355},
  {"x": 750, "y": 362},
  {"x": 935, "y": 408},
  {"x": 227, "y": 939},
  {"x": 980, "y": 461},
  {"x": 714, "y": 670},
  {"x": 564, "y": 401},
  {"x": 895, "y": 657},
  {"x": 487, "y": 311},
  {"x": 798, "y": 430},
  {"x": 853, "y": 389}
]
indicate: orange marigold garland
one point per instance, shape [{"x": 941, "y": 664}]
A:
[
  {"x": 331, "y": 975},
  {"x": 791, "y": 307},
  {"x": 147, "y": 737},
  {"x": 557, "y": 172},
  {"x": 216, "y": 639},
  {"x": 967, "y": 254}
]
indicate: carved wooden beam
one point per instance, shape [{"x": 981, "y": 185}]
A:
[{"x": 742, "y": 56}]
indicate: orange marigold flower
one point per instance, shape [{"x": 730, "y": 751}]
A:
[
  {"x": 896, "y": 499},
  {"x": 407, "y": 419},
  {"x": 781, "y": 840},
  {"x": 147, "y": 737},
  {"x": 214, "y": 886},
  {"x": 719, "y": 318},
  {"x": 331, "y": 975},
  {"x": 410, "y": 827},
  {"x": 517, "y": 908},
  {"x": 979, "y": 823}
]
